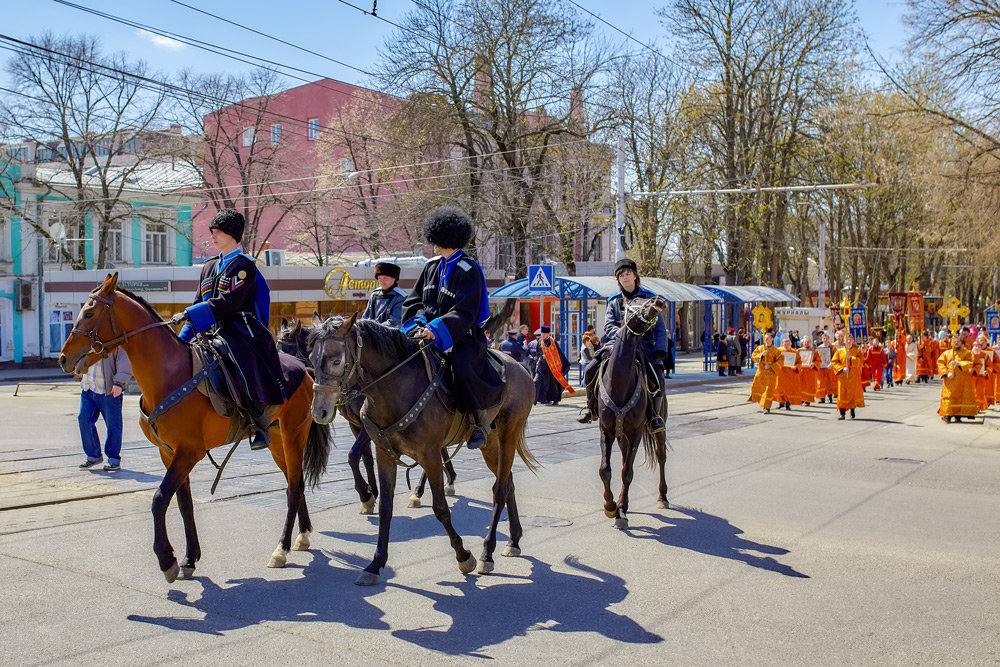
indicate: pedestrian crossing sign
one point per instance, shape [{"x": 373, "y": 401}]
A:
[{"x": 540, "y": 278}]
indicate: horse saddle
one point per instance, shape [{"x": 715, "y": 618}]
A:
[{"x": 220, "y": 385}]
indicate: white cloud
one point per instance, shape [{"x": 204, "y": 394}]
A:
[{"x": 161, "y": 41}]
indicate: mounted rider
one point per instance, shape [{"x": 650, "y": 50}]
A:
[
  {"x": 233, "y": 297},
  {"x": 385, "y": 304},
  {"x": 449, "y": 305},
  {"x": 653, "y": 343}
]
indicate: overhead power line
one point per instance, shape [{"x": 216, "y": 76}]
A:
[{"x": 748, "y": 191}]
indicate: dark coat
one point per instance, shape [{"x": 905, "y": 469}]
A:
[
  {"x": 386, "y": 308},
  {"x": 513, "y": 349},
  {"x": 237, "y": 301},
  {"x": 547, "y": 388},
  {"x": 455, "y": 313},
  {"x": 654, "y": 343}
]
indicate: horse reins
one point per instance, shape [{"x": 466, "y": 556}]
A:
[{"x": 105, "y": 346}]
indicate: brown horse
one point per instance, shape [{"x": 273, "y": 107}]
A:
[
  {"x": 406, "y": 415},
  {"x": 161, "y": 363},
  {"x": 622, "y": 409}
]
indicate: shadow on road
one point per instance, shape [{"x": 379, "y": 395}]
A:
[
  {"x": 246, "y": 602},
  {"x": 470, "y": 518},
  {"x": 714, "y": 536},
  {"x": 123, "y": 473},
  {"x": 511, "y": 606}
]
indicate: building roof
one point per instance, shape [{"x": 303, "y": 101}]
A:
[
  {"x": 602, "y": 287},
  {"x": 158, "y": 177},
  {"x": 752, "y": 293}
]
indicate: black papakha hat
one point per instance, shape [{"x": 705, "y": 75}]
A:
[
  {"x": 626, "y": 263},
  {"x": 229, "y": 221},
  {"x": 387, "y": 269},
  {"x": 447, "y": 227},
  {"x": 545, "y": 329}
]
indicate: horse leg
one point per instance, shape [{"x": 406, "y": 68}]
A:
[
  {"x": 387, "y": 482},
  {"x": 177, "y": 473},
  {"x": 435, "y": 476},
  {"x": 500, "y": 465},
  {"x": 514, "y": 521},
  {"x": 192, "y": 551},
  {"x": 661, "y": 460},
  {"x": 291, "y": 465},
  {"x": 449, "y": 469},
  {"x": 305, "y": 526},
  {"x": 364, "y": 489},
  {"x": 418, "y": 492},
  {"x": 628, "y": 461},
  {"x": 610, "y": 508}
]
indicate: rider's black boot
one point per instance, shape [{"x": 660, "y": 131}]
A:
[
  {"x": 480, "y": 429},
  {"x": 261, "y": 422}
]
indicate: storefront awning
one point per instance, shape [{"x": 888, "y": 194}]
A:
[
  {"x": 752, "y": 293},
  {"x": 602, "y": 287}
]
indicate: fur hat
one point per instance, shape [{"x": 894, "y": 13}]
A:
[
  {"x": 229, "y": 221},
  {"x": 387, "y": 269},
  {"x": 626, "y": 264},
  {"x": 447, "y": 227}
]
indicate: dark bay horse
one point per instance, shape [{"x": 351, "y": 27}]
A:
[
  {"x": 413, "y": 421},
  {"x": 293, "y": 339},
  {"x": 161, "y": 362},
  {"x": 622, "y": 407}
]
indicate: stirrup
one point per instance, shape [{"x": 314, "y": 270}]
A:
[
  {"x": 585, "y": 416},
  {"x": 260, "y": 440},
  {"x": 656, "y": 425},
  {"x": 478, "y": 438}
]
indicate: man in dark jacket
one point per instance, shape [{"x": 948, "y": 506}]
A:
[
  {"x": 449, "y": 305},
  {"x": 653, "y": 344},
  {"x": 234, "y": 297},
  {"x": 385, "y": 305},
  {"x": 512, "y": 348}
]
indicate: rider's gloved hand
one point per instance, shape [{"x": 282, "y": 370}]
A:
[{"x": 178, "y": 318}]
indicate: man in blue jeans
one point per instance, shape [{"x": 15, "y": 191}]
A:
[{"x": 103, "y": 386}]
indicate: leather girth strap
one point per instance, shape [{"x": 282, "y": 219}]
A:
[
  {"x": 381, "y": 435},
  {"x": 621, "y": 411}
]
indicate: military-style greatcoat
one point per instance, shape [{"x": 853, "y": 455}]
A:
[
  {"x": 653, "y": 343},
  {"x": 234, "y": 297},
  {"x": 450, "y": 299},
  {"x": 386, "y": 307}
]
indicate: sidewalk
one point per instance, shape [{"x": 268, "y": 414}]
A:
[{"x": 688, "y": 373}]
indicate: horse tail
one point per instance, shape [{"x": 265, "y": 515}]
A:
[
  {"x": 525, "y": 453},
  {"x": 316, "y": 454},
  {"x": 649, "y": 447}
]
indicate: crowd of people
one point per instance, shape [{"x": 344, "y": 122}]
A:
[{"x": 841, "y": 371}]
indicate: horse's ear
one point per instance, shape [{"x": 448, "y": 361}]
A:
[
  {"x": 317, "y": 320},
  {"x": 110, "y": 283},
  {"x": 284, "y": 323},
  {"x": 297, "y": 328},
  {"x": 350, "y": 321}
]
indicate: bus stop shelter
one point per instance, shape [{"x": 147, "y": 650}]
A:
[{"x": 736, "y": 307}]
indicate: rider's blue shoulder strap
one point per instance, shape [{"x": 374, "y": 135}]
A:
[{"x": 262, "y": 301}]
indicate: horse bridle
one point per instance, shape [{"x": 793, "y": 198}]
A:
[
  {"x": 633, "y": 313},
  {"x": 101, "y": 347}
]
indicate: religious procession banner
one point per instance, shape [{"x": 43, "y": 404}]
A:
[
  {"x": 916, "y": 302},
  {"x": 897, "y": 306},
  {"x": 993, "y": 325},
  {"x": 859, "y": 323}
]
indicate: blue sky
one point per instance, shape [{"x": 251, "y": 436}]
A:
[{"x": 325, "y": 26}]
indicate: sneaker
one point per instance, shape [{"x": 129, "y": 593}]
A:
[
  {"x": 90, "y": 464},
  {"x": 112, "y": 467}
]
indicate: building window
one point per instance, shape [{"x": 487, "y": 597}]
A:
[
  {"x": 131, "y": 146},
  {"x": 313, "y": 124},
  {"x": 346, "y": 165},
  {"x": 116, "y": 243},
  {"x": 276, "y": 134},
  {"x": 156, "y": 243},
  {"x": 60, "y": 327},
  {"x": 248, "y": 136},
  {"x": 103, "y": 147},
  {"x": 20, "y": 153},
  {"x": 72, "y": 228}
]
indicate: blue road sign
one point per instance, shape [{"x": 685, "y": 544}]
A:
[{"x": 541, "y": 278}]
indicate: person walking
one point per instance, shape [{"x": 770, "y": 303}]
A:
[
  {"x": 102, "y": 390},
  {"x": 512, "y": 348},
  {"x": 769, "y": 360},
  {"x": 958, "y": 395},
  {"x": 847, "y": 365}
]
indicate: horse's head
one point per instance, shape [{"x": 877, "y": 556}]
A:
[
  {"x": 641, "y": 314},
  {"x": 94, "y": 324},
  {"x": 293, "y": 339},
  {"x": 331, "y": 347}
]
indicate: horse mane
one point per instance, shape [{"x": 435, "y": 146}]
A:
[
  {"x": 387, "y": 341},
  {"x": 142, "y": 302}
]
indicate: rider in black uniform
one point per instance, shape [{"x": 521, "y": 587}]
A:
[
  {"x": 448, "y": 306},
  {"x": 653, "y": 343},
  {"x": 385, "y": 305},
  {"x": 234, "y": 297}
]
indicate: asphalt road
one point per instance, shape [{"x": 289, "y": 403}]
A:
[{"x": 793, "y": 538}]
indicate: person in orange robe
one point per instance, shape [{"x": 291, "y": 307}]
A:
[
  {"x": 935, "y": 355},
  {"x": 925, "y": 359},
  {"x": 788, "y": 389},
  {"x": 808, "y": 371},
  {"x": 876, "y": 360},
  {"x": 981, "y": 369},
  {"x": 899, "y": 368},
  {"x": 847, "y": 363},
  {"x": 768, "y": 359},
  {"x": 993, "y": 391},
  {"x": 958, "y": 396},
  {"x": 826, "y": 382},
  {"x": 866, "y": 369}
]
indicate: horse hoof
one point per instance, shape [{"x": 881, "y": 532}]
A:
[
  {"x": 467, "y": 565},
  {"x": 663, "y": 504},
  {"x": 413, "y": 502},
  {"x": 449, "y": 489},
  {"x": 301, "y": 542},
  {"x": 171, "y": 573},
  {"x": 278, "y": 558},
  {"x": 611, "y": 514},
  {"x": 485, "y": 567},
  {"x": 186, "y": 572},
  {"x": 366, "y": 579},
  {"x": 367, "y": 507},
  {"x": 621, "y": 523},
  {"x": 511, "y": 551}
]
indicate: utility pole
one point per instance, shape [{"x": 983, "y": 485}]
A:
[
  {"x": 620, "y": 207},
  {"x": 821, "y": 294}
]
